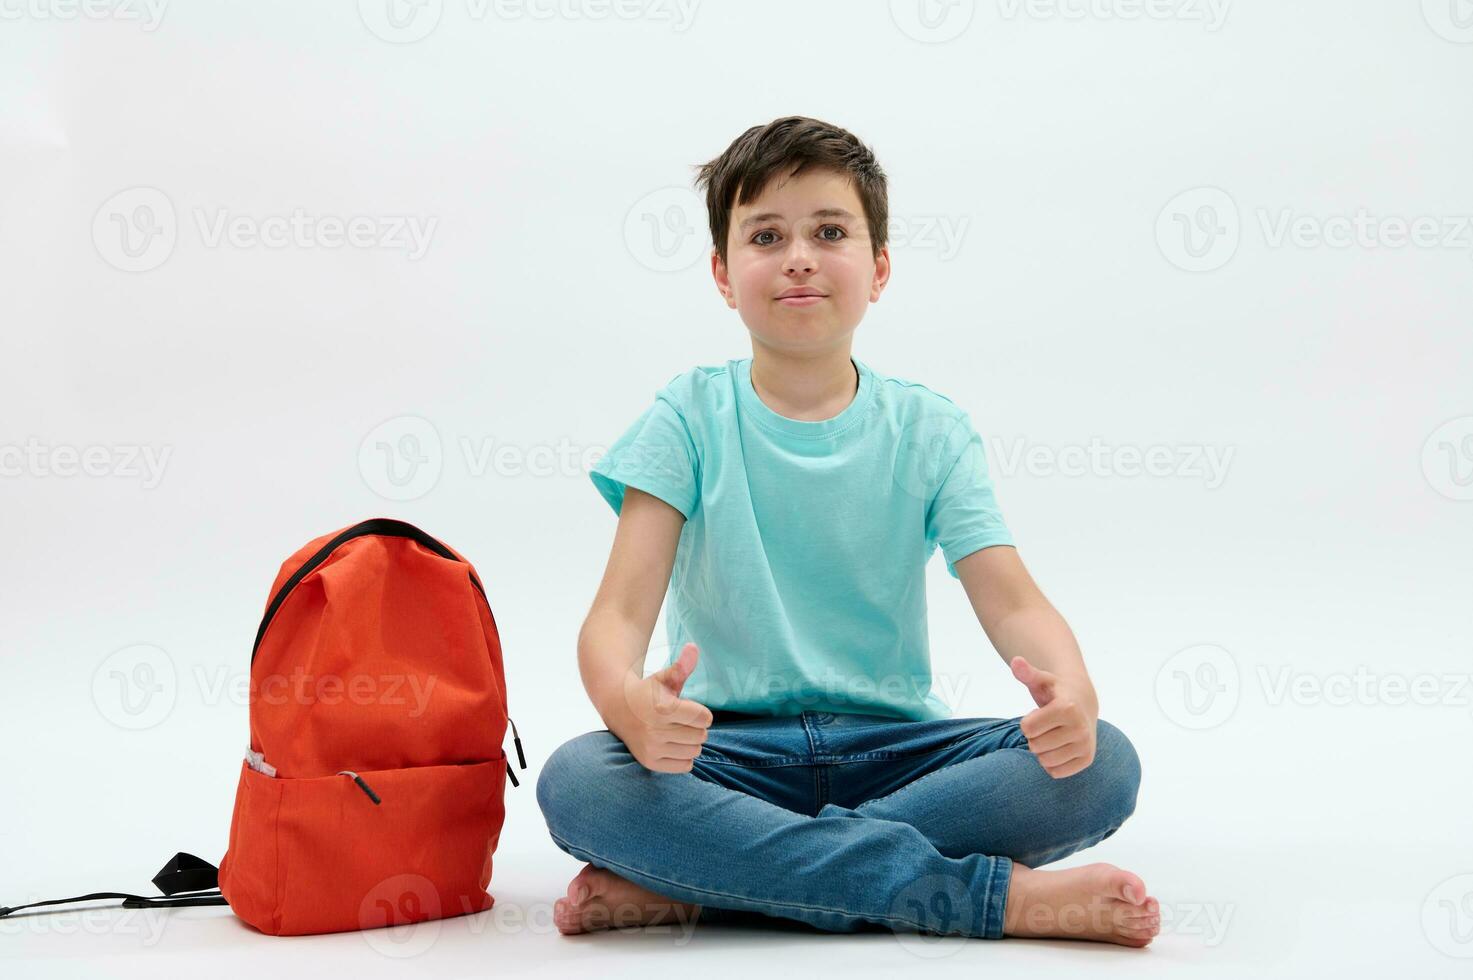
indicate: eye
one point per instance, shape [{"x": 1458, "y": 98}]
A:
[{"x": 843, "y": 234}]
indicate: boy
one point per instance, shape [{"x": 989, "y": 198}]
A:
[{"x": 791, "y": 765}]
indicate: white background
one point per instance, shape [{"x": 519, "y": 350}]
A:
[{"x": 1064, "y": 307}]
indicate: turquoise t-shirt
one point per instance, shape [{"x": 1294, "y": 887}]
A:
[{"x": 800, "y": 571}]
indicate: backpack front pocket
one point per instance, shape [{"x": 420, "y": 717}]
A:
[{"x": 321, "y": 855}]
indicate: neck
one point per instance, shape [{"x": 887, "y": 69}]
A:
[{"x": 809, "y": 386}]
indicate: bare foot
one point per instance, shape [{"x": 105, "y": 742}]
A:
[
  {"x": 599, "y": 899},
  {"x": 1098, "y": 901}
]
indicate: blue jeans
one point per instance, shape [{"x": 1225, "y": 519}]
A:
[{"x": 839, "y": 822}]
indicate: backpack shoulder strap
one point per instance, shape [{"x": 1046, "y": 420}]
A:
[{"x": 185, "y": 880}]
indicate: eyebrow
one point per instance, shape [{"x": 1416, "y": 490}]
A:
[{"x": 770, "y": 215}]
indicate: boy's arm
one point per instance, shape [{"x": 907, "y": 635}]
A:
[
  {"x": 1021, "y": 623},
  {"x": 616, "y": 632}
]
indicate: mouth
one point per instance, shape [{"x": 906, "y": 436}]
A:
[{"x": 803, "y": 297}]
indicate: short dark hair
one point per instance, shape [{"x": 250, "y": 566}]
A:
[{"x": 764, "y": 152}]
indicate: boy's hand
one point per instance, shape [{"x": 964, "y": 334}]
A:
[
  {"x": 662, "y": 730},
  {"x": 1061, "y": 731}
]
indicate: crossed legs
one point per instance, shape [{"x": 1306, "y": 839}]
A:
[{"x": 954, "y": 850}]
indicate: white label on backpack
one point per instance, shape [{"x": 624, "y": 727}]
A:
[{"x": 258, "y": 762}]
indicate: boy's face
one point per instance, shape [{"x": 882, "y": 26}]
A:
[{"x": 805, "y": 231}]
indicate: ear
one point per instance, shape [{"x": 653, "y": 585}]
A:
[
  {"x": 723, "y": 279},
  {"x": 882, "y": 274}
]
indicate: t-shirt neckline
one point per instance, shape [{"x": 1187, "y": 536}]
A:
[{"x": 802, "y": 428}]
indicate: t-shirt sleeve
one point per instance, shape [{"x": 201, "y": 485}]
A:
[
  {"x": 657, "y": 455},
  {"x": 962, "y": 516}
]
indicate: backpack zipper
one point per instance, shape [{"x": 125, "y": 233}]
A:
[
  {"x": 387, "y": 527},
  {"x": 521, "y": 759},
  {"x": 384, "y": 526},
  {"x": 363, "y": 785}
]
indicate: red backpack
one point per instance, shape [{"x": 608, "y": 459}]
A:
[{"x": 372, "y": 790}]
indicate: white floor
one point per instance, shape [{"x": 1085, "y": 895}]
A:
[
  {"x": 1286, "y": 829},
  {"x": 1330, "y": 908},
  {"x": 1259, "y": 925},
  {"x": 1299, "y": 815}
]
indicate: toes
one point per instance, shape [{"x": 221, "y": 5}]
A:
[
  {"x": 1147, "y": 930},
  {"x": 1112, "y": 882},
  {"x": 581, "y": 888},
  {"x": 1138, "y": 923},
  {"x": 565, "y": 921},
  {"x": 1130, "y": 887}
]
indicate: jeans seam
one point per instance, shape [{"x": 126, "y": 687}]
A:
[
  {"x": 720, "y": 760},
  {"x": 714, "y": 757},
  {"x": 863, "y": 757},
  {"x": 994, "y": 912},
  {"x": 918, "y": 780},
  {"x": 883, "y": 756},
  {"x": 761, "y": 901},
  {"x": 813, "y": 739},
  {"x": 922, "y": 778}
]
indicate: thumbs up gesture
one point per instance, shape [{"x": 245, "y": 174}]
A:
[
  {"x": 663, "y": 730},
  {"x": 1061, "y": 730}
]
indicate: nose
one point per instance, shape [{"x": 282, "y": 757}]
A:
[{"x": 798, "y": 258}]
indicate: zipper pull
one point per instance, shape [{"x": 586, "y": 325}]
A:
[
  {"x": 517, "y": 739},
  {"x": 511, "y": 775},
  {"x": 362, "y": 785}
]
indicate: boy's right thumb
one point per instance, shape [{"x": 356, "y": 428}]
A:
[{"x": 673, "y": 677}]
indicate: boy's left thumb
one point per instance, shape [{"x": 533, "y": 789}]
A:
[{"x": 1033, "y": 679}]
